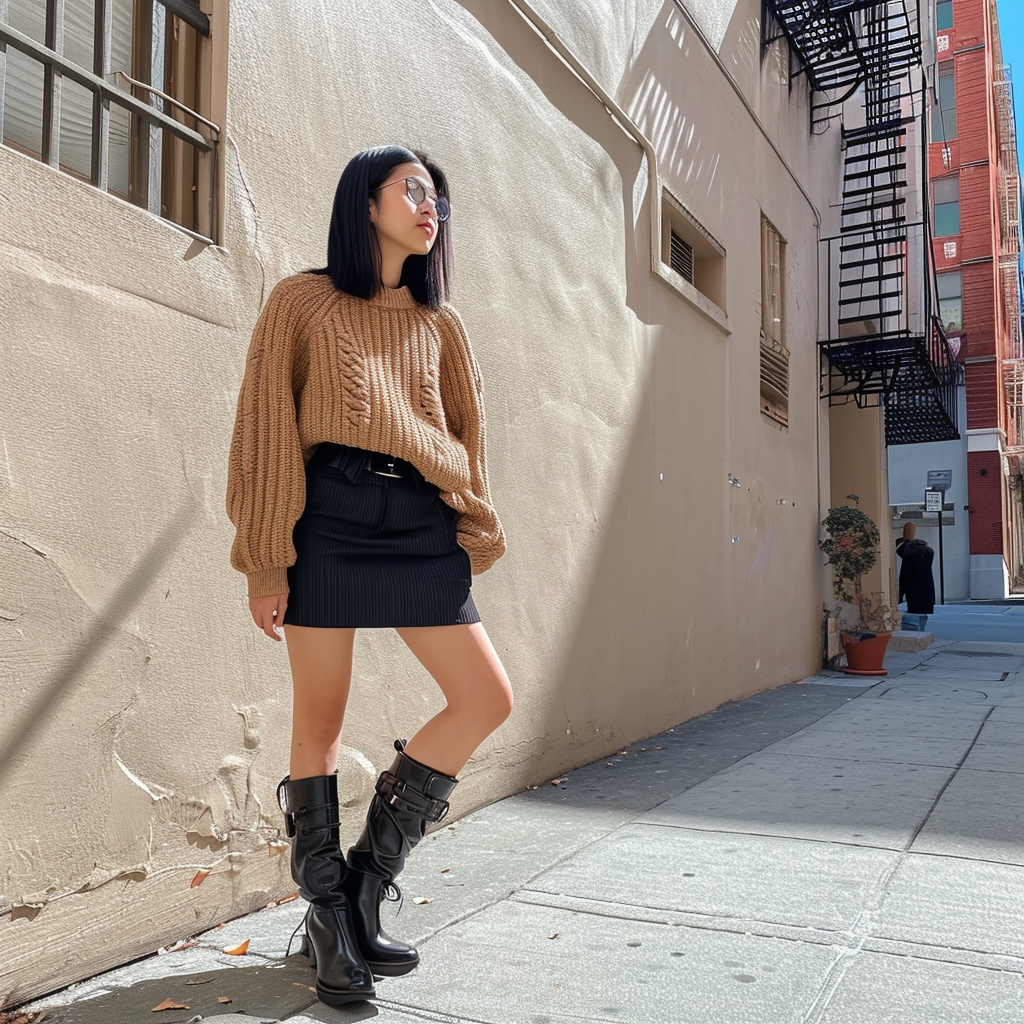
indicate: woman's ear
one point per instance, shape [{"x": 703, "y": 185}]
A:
[{"x": 373, "y": 212}]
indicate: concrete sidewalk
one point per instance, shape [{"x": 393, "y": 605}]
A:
[{"x": 824, "y": 853}]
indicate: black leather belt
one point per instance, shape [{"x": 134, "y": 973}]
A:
[{"x": 353, "y": 461}]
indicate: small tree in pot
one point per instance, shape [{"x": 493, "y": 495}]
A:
[{"x": 851, "y": 546}]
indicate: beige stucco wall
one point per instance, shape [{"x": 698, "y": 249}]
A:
[
  {"x": 859, "y": 466},
  {"x": 662, "y": 533}
]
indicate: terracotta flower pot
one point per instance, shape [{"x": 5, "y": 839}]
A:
[{"x": 865, "y": 653}]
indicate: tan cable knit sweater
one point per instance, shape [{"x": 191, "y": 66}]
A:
[{"x": 386, "y": 374}]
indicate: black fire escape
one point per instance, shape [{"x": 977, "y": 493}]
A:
[{"x": 882, "y": 345}]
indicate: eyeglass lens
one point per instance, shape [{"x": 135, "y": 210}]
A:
[{"x": 417, "y": 192}]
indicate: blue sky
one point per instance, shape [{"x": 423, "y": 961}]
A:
[{"x": 1011, "y": 32}]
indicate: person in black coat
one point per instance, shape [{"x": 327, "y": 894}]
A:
[{"x": 917, "y": 585}]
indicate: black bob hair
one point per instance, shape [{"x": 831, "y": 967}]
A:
[{"x": 353, "y": 252}]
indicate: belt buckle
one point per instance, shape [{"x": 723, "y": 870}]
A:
[{"x": 380, "y": 472}]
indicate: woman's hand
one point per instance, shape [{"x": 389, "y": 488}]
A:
[{"x": 268, "y": 614}]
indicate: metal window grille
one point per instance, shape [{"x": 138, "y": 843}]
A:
[
  {"x": 775, "y": 374},
  {"x": 105, "y": 90},
  {"x": 681, "y": 256}
]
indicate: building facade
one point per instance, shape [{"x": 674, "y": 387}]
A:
[
  {"x": 975, "y": 219},
  {"x": 640, "y": 192}
]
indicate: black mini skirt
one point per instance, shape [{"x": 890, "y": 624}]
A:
[{"x": 375, "y": 550}]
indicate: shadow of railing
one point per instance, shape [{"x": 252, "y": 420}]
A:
[{"x": 75, "y": 661}]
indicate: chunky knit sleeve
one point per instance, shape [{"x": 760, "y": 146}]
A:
[
  {"x": 479, "y": 528},
  {"x": 266, "y": 478}
]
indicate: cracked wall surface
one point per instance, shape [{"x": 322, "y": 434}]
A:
[{"x": 626, "y": 446}]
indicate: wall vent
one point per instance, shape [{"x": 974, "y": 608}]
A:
[{"x": 681, "y": 257}]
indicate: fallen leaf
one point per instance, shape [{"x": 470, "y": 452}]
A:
[
  {"x": 284, "y": 899},
  {"x": 554, "y": 936},
  {"x": 240, "y": 950},
  {"x": 174, "y": 947},
  {"x": 444, "y": 871},
  {"x": 170, "y": 1004},
  {"x": 201, "y": 876},
  {"x": 223, "y": 999},
  {"x": 298, "y": 984},
  {"x": 420, "y": 900}
]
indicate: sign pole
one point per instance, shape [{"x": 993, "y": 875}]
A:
[
  {"x": 940, "y": 480},
  {"x": 942, "y": 572}
]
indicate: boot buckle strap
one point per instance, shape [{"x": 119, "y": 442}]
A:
[
  {"x": 289, "y": 814},
  {"x": 396, "y": 793}
]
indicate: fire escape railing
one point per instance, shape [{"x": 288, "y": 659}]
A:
[
  {"x": 1010, "y": 271},
  {"x": 882, "y": 345}
]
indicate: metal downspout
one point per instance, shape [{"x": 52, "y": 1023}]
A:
[{"x": 625, "y": 121}]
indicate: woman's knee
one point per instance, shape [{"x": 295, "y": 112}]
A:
[
  {"x": 499, "y": 701},
  {"x": 486, "y": 703}
]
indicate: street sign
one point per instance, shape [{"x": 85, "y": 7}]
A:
[
  {"x": 939, "y": 480},
  {"x": 933, "y": 501}
]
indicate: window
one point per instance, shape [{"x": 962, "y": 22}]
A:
[
  {"x": 110, "y": 92},
  {"x": 774, "y": 353},
  {"x": 944, "y": 110},
  {"x": 946, "y": 197},
  {"x": 692, "y": 260},
  {"x": 943, "y": 15},
  {"x": 951, "y": 301}
]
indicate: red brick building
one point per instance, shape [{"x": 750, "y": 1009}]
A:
[{"x": 975, "y": 193}]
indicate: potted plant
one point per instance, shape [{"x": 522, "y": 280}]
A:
[{"x": 851, "y": 546}]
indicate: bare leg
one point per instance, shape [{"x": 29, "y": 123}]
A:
[
  {"x": 465, "y": 665},
  {"x": 321, "y": 662}
]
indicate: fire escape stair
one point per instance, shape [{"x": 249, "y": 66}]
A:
[{"x": 873, "y": 358}]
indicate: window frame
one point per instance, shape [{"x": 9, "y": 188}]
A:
[
  {"x": 958, "y": 296},
  {"x": 774, "y": 348},
  {"x": 937, "y": 184},
  {"x": 707, "y": 289},
  {"x": 173, "y": 162},
  {"x": 944, "y": 122}
]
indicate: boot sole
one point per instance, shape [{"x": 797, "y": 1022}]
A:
[
  {"x": 388, "y": 970},
  {"x": 327, "y": 996},
  {"x": 342, "y": 998}
]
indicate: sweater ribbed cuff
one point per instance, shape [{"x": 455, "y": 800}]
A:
[{"x": 267, "y": 582}]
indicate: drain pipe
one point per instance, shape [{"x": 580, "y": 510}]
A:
[{"x": 626, "y": 123}]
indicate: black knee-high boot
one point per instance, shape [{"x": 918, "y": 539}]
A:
[
  {"x": 310, "y": 809},
  {"x": 409, "y": 796}
]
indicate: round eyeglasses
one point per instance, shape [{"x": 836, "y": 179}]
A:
[{"x": 417, "y": 192}]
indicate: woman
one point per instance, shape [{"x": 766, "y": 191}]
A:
[
  {"x": 917, "y": 584},
  {"x": 358, "y": 488}
]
